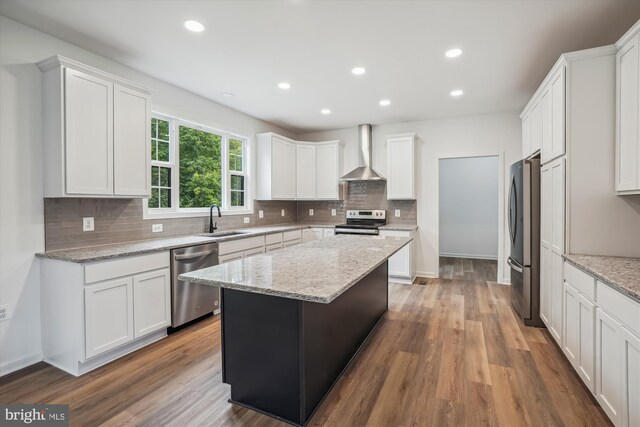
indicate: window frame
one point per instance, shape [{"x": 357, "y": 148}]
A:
[{"x": 175, "y": 211}]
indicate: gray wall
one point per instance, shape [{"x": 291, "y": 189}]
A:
[{"x": 468, "y": 191}]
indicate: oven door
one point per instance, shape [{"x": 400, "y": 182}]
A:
[{"x": 357, "y": 230}]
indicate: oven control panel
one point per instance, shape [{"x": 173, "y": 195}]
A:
[{"x": 375, "y": 214}]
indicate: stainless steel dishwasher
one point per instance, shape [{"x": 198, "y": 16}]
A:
[{"x": 191, "y": 301}]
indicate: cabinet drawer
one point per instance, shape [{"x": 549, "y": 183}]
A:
[
  {"x": 236, "y": 256},
  {"x": 292, "y": 235},
  {"x": 619, "y": 306},
  {"x": 274, "y": 247},
  {"x": 254, "y": 251},
  {"x": 580, "y": 281},
  {"x": 271, "y": 239},
  {"x": 241, "y": 245},
  {"x": 127, "y": 266},
  {"x": 292, "y": 243}
]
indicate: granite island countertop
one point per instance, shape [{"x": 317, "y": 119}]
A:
[
  {"x": 317, "y": 271},
  {"x": 103, "y": 252},
  {"x": 622, "y": 274}
]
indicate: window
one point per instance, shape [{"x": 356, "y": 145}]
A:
[{"x": 193, "y": 167}]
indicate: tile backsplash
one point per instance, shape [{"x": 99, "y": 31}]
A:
[
  {"x": 120, "y": 220},
  {"x": 359, "y": 195}
]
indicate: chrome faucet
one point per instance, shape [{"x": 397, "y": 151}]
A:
[{"x": 213, "y": 227}]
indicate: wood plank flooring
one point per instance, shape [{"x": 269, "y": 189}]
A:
[
  {"x": 449, "y": 352},
  {"x": 468, "y": 269}
]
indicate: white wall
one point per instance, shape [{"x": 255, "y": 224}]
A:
[
  {"x": 21, "y": 163},
  {"x": 478, "y": 135},
  {"x": 468, "y": 188}
]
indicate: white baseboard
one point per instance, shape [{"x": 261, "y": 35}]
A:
[
  {"x": 428, "y": 274},
  {"x": 16, "y": 365},
  {"x": 470, "y": 256}
]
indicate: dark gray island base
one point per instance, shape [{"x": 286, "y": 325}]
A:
[{"x": 282, "y": 356}]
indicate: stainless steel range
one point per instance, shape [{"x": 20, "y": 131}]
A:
[{"x": 365, "y": 222}]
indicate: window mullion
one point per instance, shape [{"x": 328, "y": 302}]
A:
[
  {"x": 226, "y": 180},
  {"x": 175, "y": 162}
]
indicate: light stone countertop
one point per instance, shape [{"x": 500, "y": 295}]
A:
[
  {"x": 317, "y": 271},
  {"x": 103, "y": 252},
  {"x": 400, "y": 227},
  {"x": 622, "y": 274}
]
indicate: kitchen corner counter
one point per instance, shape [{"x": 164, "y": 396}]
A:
[
  {"x": 622, "y": 274},
  {"x": 400, "y": 227},
  {"x": 317, "y": 271},
  {"x": 103, "y": 252}
]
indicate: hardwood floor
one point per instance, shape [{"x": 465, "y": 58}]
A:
[
  {"x": 450, "y": 352},
  {"x": 468, "y": 269}
]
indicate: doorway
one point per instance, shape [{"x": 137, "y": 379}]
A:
[{"x": 469, "y": 217}]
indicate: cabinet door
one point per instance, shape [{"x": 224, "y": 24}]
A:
[
  {"x": 571, "y": 314},
  {"x": 327, "y": 171},
  {"x": 88, "y": 134},
  {"x": 545, "y": 285},
  {"x": 557, "y": 115},
  {"x": 628, "y": 116},
  {"x": 630, "y": 414},
  {"x": 536, "y": 128},
  {"x": 328, "y": 232},
  {"x": 557, "y": 282},
  {"x": 547, "y": 127},
  {"x": 558, "y": 208},
  {"x": 400, "y": 168},
  {"x": 608, "y": 372},
  {"x": 108, "y": 310},
  {"x": 305, "y": 172},
  {"x": 151, "y": 302},
  {"x": 131, "y": 142},
  {"x": 526, "y": 134},
  {"x": 283, "y": 169},
  {"x": 579, "y": 334},
  {"x": 400, "y": 263}
]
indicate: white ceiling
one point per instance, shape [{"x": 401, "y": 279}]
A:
[{"x": 248, "y": 47}]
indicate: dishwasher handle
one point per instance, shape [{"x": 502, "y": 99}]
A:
[{"x": 194, "y": 255}]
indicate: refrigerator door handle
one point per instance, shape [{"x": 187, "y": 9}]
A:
[
  {"x": 513, "y": 205},
  {"x": 513, "y": 265}
]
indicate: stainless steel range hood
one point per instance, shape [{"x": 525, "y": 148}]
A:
[{"x": 364, "y": 171}]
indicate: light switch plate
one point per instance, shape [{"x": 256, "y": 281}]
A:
[
  {"x": 246, "y": 220},
  {"x": 397, "y": 213},
  {"x": 260, "y": 214},
  {"x": 87, "y": 223},
  {"x": 282, "y": 212},
  {"x": 310, "y": 212},
  {"x": 156, "y": 228},
  {"x": 333, "y": 212}
]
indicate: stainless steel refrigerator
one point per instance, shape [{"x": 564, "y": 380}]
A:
[{"x": 524, "y": 235}]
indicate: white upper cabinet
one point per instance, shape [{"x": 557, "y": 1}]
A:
[
  {"x": 328, "y": 170},
  {"x": 544, "y": 117},
  {"x": 305, "y": 171},
  {"x": 292, "y": 170},
  {"x": 131, "y": 118},
  {"x": 96, "y": 132},
  {"x": 628, "y": 113},
  {"x": 401, "y": 155}
]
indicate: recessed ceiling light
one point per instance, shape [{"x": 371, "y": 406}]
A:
[
  {"x": 195, "y": 26},
  {"x": 325, "y": 111},
  {"x": 453, "y": 53},
  {"x": 227, "y": 95},
  {"x": 385, "y": 102},
  {"x": 358, "y": 71},
  {"x": 456, "y": 92},
  {"x": 284, "y": 85}
]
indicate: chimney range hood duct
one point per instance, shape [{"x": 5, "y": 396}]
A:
[{"x": 364, "y": 171}]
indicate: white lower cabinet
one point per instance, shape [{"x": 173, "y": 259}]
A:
[
  {"x": 402, "y": 264},
  {"x": 108, "y": 308},
  {"x": 579, "y": 334},
  {"x": 310, "y": 234},
  {"x": 328, "y": 232},
  {"x": 601, "y": 341},
  {"x": 151, "y": 302}
]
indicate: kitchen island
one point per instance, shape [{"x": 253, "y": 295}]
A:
[{"x": 293, "y": 320}]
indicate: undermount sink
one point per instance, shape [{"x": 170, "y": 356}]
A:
[{"x": 224, "y": 233}]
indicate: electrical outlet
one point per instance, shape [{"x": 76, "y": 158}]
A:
[
  {"x": 156, "y": 228},
  {"x": 246, "y": 220},
  {"x": 260, "y": 214},
  {"x": 282, "y": 212},
  {"x": 397, "y": 213},
  {"x": 87, "y": 223},
  {"x": 333, "y": 212},
  {"x": 310, "y": 212},
  {"x": 5, "y": 313}
]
